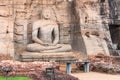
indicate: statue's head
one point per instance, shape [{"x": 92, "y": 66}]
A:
[{"x": 46, "y": 13}]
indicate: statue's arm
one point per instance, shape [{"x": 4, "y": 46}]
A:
[
  {"x": 34, "y": 34},
  {"x": 56, "y": 33}
]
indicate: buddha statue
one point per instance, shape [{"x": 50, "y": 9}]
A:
[{"x": 45, "y": 35}]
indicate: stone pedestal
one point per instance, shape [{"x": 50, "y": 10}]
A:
[{"x": 34, "y": 56}]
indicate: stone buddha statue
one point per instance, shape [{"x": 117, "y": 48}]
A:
[{"x": 45, "y": 35}]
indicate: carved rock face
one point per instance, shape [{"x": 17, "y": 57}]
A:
[{"x": 24, "y": 12}]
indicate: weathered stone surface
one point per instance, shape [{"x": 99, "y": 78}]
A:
[
  {"x": 6, "y": 47},
  {"x": 74, "y": 18},
  {"x": 90, "y": 19},
  {"x": 4, "y": 11},
  {"x": 60, "y": 56},
  {"x": 21, "y": 15},
  {"x": 6, "y": 32},
  {"x": 19, "y": 30}
]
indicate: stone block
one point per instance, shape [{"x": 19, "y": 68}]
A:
[
  {"x": 17, "y": 2},
  {"x": 20, "y": 22},
  {"x": 61, "y": 5},
  {"x": 4, "y": 11},
  {"x": 63, "y": 18},
  {"x": 65, "y": 41},
  {"x": 6, "y": 2},
  {"x": 20, "y": 15},
  {"x": 18, "y": 38},
  {"x": 19, "y": 30},
  {"x": 20, "y": 7},
  {"x": 32, "y": 56},
  {"x": 44, "y": 2}
]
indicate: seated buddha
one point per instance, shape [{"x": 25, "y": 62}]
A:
[{"x": 45, "y": 35}]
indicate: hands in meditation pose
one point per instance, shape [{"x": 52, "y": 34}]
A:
[{"x": 45, "y": 34}]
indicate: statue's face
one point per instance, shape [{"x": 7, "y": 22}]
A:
[{"x": 46, "y": 13}]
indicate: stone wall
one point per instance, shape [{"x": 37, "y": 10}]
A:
[
  {"x": 94, "y": 25},
  {"x": 26, "y": 12},
  {"x": 6, "y": 27},
  {"x": 82, "y": 23}
]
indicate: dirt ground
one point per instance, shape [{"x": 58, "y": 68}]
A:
[{"x": 95, "y": 76}]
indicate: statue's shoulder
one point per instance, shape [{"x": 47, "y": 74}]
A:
[{"x": 36, "y": 24}]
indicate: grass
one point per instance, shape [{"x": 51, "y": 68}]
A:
[{"x": 14, "y": 78}]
